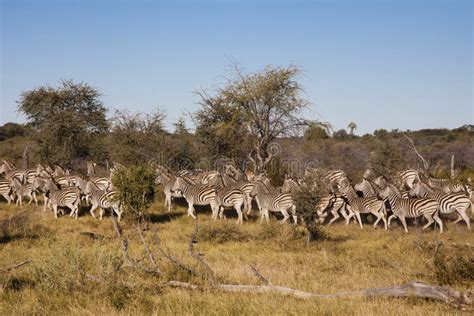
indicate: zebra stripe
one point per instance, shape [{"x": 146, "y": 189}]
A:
[
  {"x": 68, "y": 197},
  {"x": 273, "y": 201},
  {"x": 195, "y": 194},
  {"x": 411, "y": 208},
  {"x": 449, "y": 203},
  {"x": 103, "y": 200},
  {"x": 6, "y": 190},
  {"x": 357, "y": 205},
  {"x": 230, "y": 197}
]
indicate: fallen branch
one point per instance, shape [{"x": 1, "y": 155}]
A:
[
  {"x": 412, "y": 289},
  {"x": 260, "y": 276},
  {"x": 174, "y": 260},
  {"x": 15, "y": 266}
]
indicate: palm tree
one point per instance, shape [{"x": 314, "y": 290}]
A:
[{"x": 352, "y": 127}]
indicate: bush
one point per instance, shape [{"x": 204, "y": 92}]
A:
[
  {"x": 453, "y": 269},
  {"x": 136, "y": 189}
]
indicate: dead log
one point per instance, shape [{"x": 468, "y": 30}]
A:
[{"x": 413, "y": 289}]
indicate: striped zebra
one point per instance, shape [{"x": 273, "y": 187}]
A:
[
  {"x": 336, "y": 177},
  {"x": 246, "y": 187},
  {"x": 408, "y": 178},
  {"x": 449, "y": 203},
  {"x": 411, "y": 208},
  {"x": 229, "y": 197},
  {"x": 103, "y": 183},
  {"x": 291, "y": 185},
  {"x": 167, "y": 180},
  {"x": 24, "y": 190},
  {"x": 364, "y": 188},
  {"x": 447, "y": 186},
  {"x": 363, "y": 205},
  {"x": 11, "y": 172},
  {"x": 334, "y": 203},
  {"x": 6, "y": 191},
  {"x": 103, "y": 200},
  {"x": 195, "y": 194},
  {"x": 273, "y": 201},
  {"x": 69, "y": 197}
]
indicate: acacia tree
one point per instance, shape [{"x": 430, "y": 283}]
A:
[
  {"x": 254, "y": 107},
  {"x": 68, "y": 122}
]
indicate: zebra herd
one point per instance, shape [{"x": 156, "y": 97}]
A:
[
  {"x": 60, "y": 188},
  {"x": 412, "y": 196}
]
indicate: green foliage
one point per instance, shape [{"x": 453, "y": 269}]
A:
[
  {"x": 136, "y": 189},
  {"x": 306, "y": 199},
  {"x": 10, "y": 130},
  {"x": 66, "y": 120},
  {"x": 386, "y": 160},
  {"x": 315, "y": 132},
  {"x": 137, "y": 137},
  {"x": 250, "y": 112}
]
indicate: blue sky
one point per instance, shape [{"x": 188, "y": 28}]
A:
[{"x": 382, "y": 64}]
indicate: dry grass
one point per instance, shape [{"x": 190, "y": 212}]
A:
[{"x": 65, "y": 252}]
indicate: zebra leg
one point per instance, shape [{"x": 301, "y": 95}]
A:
[
  {"x": 249, "y": 205},
  {"x": 335, "y": 214},
  {"x": 439, "y": 221},
  {"x": 404, "y": 223},
  {"x": 357, "y": 214},
  {"x": 191, "y": 210},
  {"x": 34, "y": 197},
  {"x": 46, "y": 202},
  {"x": 379, "y": 216},
  {"x": 55, "y": 210},
  {"x": 463, "y": 216},
  {"x": 430, "y": 219},
  {"x": 238, "y": 208},
  {"x": 390, "y": 219},
  {"x": 285, "y": 216},
  {"x": 93, "y": 207},
  {"x": 293, "y": 214},
  {"x": 168, "y": 201}
]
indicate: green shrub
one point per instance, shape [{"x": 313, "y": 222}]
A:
[{"x": 136, "y": 189}]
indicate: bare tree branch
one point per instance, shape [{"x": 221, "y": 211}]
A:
[{"x": 426, "y": 165}]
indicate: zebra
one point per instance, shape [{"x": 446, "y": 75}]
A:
[
  {"x": 69, "y": 197},
  {"x": 334, "y": 203},
  {"x": 365, "y": 188},
  {"x": 103, "y": 200},
  {"x": 449, "y": 203},
  {"x": 6, "y": 191},
  {"x": 167, "y": 180},
  {"x": 246, "y": 187},
  {"x": 336, "y": 176},
  {"x": 11, "y": 172},
  {"x": 291, "y": 185},
  {"x": 408, "y": 177},
  {"x": 447, "y": 186},
  {"x": 411, "y": 208},
  {"x": 357, "y": 205},
  {"x": 195, "y": 194},
  {"x": 273, "y": 201},
  {"x": 102, "y": 183},
  {"x": 229, "y": 197},
  {"x": 22, "y": 190}
]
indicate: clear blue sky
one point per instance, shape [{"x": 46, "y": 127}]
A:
[{"x": 381, "y": 64}]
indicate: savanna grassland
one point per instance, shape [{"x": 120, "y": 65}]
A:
[{"x": 76, "y": 266}]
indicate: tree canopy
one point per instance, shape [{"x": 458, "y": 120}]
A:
[
  {"x": 252, "y": 110},
  {"x": 67, "y": 120}
]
